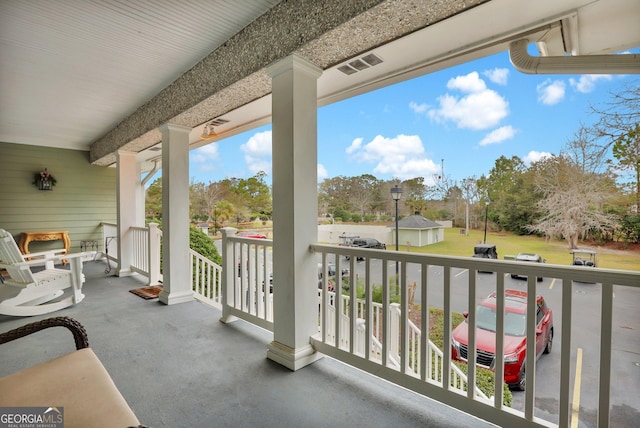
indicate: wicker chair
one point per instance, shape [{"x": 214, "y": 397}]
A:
[{"x": 76, "y": 382}]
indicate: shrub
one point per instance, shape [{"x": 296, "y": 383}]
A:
[{"x": 204, "y": 245}]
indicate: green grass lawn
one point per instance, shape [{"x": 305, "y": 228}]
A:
[{"x": 554, "y": 251}]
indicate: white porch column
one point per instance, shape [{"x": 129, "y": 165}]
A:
[
  {"x": 295, "y": 201},
  {"x": 128, "y": 183},
  {"x": 176, "y": 285}
]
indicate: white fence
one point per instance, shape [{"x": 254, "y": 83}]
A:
[
  {"x": 247, "y": 291},
  {"x": 407, "y": 361},
  {"x": 145, "y": 251},
  {"x": 206, "y": 277},
  {"x": 457, "y": 378}
]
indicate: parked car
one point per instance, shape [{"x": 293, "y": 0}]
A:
[
  {"x": 515, "y": 338},
  {"x": 254, "y": 235},
  {"x": 331, "y": 271},
  {"x": 367, "y": 243},
  {"x": 586, "y": 258},
  {"x": 528, "y": 257},
  {"x": 485, "y": 251}
]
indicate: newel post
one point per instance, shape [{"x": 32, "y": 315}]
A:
[{"x": 227, "y": 294}]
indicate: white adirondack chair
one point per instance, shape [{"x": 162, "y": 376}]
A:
[{"x": 28, "y": 293}]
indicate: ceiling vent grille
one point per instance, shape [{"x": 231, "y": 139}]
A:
[
  {"x": 218, "y": 122},
  {"x": 360, "y": 64}
]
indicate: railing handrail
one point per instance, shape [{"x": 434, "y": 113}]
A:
[
  {"x": 568, "y": 278},
  {"x": 394, "y": 308},
  {"x": 575, "y": 273},
  {"x": 206, "y": 277}
]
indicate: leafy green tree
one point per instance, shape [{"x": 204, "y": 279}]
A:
[
  {"x": 626, "y": 150},
  {"x": 334, "y": 193},
  {"x": 153, "y": 200},
  {"x": 363, "y": 191},
  {"x": 414, "y": 198},
  {"x": 630, "y": 228},
  {"x": 511, "y": 194}
]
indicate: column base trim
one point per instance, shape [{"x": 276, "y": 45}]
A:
[
  {"x": 169, "y": 298},
  {"x": 124, "y": 272},
  {"x": 293, "y": 359}
]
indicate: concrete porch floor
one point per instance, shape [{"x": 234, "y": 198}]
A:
[{"x": 179, "y": 366}]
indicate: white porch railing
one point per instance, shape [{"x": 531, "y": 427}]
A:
[
  {"x": 206, "y": 277},
  {"x": 109, "y": 236},
  {"x": 147, "y": 246},
  {"x": 248, "y": 293},
  {"x": 365, "y": 335},
  {"x": 407, "y": 361},
  {"x": 458, "y": 379}
]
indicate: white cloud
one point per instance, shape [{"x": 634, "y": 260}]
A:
[
  {"x": 534, "y": 156},
  {"x": 551, "y": 92},
  {"x": 257, "y": 152},
  {"x": 470, "y": 83},
  {"x": 498, "y": 135},
  {"x": 355, "y": 145},
  {"x": 418, "y": 108},
  {"x": 206, "y": 157},
  {"x": 322, "y": 172},
  {"x": 403, "y": 156},
  {"x": 481, "y": 108},
  {"x": 498, "y": 75},
  {"x": 587, "y": 82}
]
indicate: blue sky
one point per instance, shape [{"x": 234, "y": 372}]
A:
[{"x": 463, "y": 118}]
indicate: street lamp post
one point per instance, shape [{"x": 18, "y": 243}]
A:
[
  {"x": 215, "y": 219},
  {"x": 396, "y": 194},
  {"x": 486, "y": 215}
]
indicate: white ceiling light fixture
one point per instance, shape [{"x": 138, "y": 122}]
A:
[{"x": 208, "y": 132}]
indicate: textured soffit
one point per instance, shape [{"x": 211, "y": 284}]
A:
[{"x": 326, "y": 33}]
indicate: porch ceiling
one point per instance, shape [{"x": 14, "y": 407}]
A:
[{"x": 102, "y": 76}]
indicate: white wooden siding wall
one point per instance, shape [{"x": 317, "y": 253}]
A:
[{"x": 83, "y": 197}]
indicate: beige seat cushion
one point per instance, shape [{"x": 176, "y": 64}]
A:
[{"x": 79, "y": 383}]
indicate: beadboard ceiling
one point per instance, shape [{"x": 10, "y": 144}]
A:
[{"x": 71, "y": 71}]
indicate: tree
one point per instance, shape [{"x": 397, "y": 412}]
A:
[
  {"x": 153, "y": 200},
  {"x": 363, "y": 192},
  {"x": 511, "y": 194},
  {"x": 619, "y": 115},
  {"x": 469, "y": 189},
  {"x": 586, "y": 151},
  {"x": 573, "y": 200},
  {"x": 413, "y": 193},
  {"x": 626, "y": 150},
  {"x": 334, "y": 193}
]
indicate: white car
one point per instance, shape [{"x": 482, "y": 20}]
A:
[{"x": 528, "y": 257}]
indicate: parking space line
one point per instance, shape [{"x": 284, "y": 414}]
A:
[
  {"x": 553, "y": 281},
  {"x": 460, "y": 273},
  {"x": 575, "y": 407}
]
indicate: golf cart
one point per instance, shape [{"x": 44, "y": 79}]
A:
[
  {"x": 485, "y": 251},
  {"x": 586, "y": 258}
]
